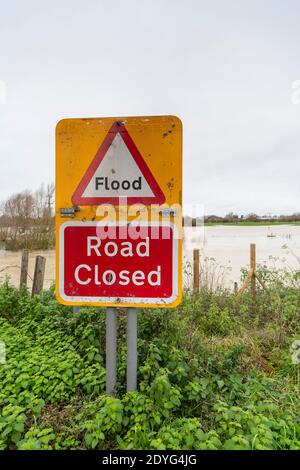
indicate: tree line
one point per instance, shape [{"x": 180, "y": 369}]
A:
[
  {"x": 27, "y": 219},
  {"x": 231, "y": 217}
]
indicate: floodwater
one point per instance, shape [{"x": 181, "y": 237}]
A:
[
  {"x": 10, "y": 264},
  {"x": 224, "y": 250}
]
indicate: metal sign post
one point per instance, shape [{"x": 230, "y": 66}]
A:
[
  {"x": 111, "y": 350},
  {"x": 131, "y": 349}
]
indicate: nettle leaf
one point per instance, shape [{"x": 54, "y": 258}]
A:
[{"x": 19, "y": 427}]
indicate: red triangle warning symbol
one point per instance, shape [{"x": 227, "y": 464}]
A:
[{"x": 118, "y": 170}]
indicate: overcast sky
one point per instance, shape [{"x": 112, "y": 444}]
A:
[{"x": 226, "y": 68}]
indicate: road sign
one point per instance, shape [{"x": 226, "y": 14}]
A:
[{"x": 117, "y": 161}]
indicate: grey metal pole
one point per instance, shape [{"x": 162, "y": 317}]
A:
[
  {"x": 76, "y": 309},
  {"x": 111, "y": 350},
  {"x": 131, "y": 349}
]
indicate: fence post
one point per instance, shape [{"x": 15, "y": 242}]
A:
[
  {"x": 252, "y": 276},
  {"x": 24, "y": 269},
  {"x": 39, "y": 272},
  {"x": 131, "y": 349},
  {"x": 253, "y": 269},
  {"x": 196, "y": 271}
]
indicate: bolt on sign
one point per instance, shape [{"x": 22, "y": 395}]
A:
[{"x": 118, "y": 211}]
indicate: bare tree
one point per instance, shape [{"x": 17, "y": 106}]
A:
[
  {"x": 19, "y": 209},
  {"x": 39, "y": 202},
  {"x": 44, "y": 203},
  {"x": 252, "y": 217},
  {"x": 50, "y": 189}
]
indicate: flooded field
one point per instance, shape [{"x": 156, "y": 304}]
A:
[
  {"x": 227, "y": 245},
  {"x": 10, "y": 264}
]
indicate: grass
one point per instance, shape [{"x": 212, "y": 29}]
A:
[{"x": 213, "y": 373}]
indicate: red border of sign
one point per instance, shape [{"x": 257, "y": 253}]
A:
[{"x": 158, "y": 198}]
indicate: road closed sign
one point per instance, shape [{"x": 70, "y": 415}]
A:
[
  {"x": 119, "y": 270},
  {"x": 118, "y": 211}
]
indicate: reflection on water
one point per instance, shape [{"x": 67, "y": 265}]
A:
[{"x": 228, "y": 245}]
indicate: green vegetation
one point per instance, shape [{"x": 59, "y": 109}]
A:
[{"x": 213, "y": 374}]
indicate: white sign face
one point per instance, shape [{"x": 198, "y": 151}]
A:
[{"x": 118, "y": 175}]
